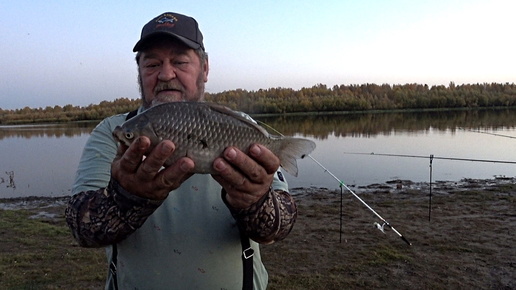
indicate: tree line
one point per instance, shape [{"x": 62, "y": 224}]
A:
[
  {"x": 318, "y": 98},
  {"x": 68, "y": 113}
]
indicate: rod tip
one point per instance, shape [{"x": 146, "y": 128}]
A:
[{"x": 406, "y": 241}]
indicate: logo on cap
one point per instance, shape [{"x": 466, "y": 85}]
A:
[{"x": 166, "y": 20}]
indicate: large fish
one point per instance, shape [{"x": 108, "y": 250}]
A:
[{"x": 202, "y": 131}]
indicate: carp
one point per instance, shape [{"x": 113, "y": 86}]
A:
[{"x": 201, "y": 131}]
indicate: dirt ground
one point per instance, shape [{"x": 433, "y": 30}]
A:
[{"x": 466, "y": 241}]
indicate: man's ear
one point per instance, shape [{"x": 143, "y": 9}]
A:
[{"x": 206, "y": 69}]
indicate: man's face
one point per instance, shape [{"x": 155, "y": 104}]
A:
[{"x": 171, "y": 72}]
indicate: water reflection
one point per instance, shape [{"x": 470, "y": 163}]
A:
[
  {"x": 41, "y": 159},
  {"x": 372, "y": 124},
  {"x": 71, "y": 129},
  {"x": 321, "y": 126}
]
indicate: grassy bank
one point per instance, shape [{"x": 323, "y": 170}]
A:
[
  {"x": 38, "y": 252},
  {"x": 467, "y": 244}
]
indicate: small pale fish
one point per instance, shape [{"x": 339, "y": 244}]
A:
[{"x": 201, "y": 131}]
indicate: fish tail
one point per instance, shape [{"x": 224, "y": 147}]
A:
[{"x": 292, "y": 149}]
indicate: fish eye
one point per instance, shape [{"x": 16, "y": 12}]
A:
[{"x": 129, "y": 135}]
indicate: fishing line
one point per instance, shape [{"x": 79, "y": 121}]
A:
[
  {"x": 342, "y": 184},
  {"x": 483, "y": 132},
  {"x": 432, "y": 157},
  {"x": 435, "y": 157}
]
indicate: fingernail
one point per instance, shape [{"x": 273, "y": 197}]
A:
[
  {"x": 231, "y": 153},
  {"x": 141, "y": 145},
  {"x": 256, "y": 150},
  {"x": 166, "y": 148},
  {"x": 219, "y": 165},
  {"x": 184, "y": 166}
]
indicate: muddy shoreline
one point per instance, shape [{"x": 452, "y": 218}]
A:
[{"x": 397, "y": 185}]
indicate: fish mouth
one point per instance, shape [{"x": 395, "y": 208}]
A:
[{"x": 116, "y": 133}]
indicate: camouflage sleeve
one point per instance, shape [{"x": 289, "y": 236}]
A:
[
  {"x": 105, "y": 216},
  {"x": 270, "y": 219}
]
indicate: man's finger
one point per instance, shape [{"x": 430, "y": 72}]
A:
[
  {"x": 156, "y": 159},
  {"x": 268, "y": 160},
  {"x": 174, "y": 175},
  {"x": 132, "y": 157}
]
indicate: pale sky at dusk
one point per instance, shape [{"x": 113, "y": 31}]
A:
[{"x": 80, "y": 52}]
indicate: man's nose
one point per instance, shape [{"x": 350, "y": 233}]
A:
[{"x": 167, "y": 72}]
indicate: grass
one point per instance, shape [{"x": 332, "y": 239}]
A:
[
  {"x": 386, "y": 255},
  {"x": 41, "y": 254},
  {"x": 468, "y": 244}
]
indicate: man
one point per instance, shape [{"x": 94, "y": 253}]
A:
[{"x": 166, "y": 228}]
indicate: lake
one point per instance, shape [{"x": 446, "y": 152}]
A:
[{"x": 40, "y": 160}]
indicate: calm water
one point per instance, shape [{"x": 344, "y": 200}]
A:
[{"x": 41, "y": 160}]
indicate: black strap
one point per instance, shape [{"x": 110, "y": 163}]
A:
[
  {"x": 112, "y": 266},
  {"x": 131, "y": 114},
  {"x": 247, "y": 259}
]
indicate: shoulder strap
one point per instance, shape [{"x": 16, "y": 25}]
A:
[
  {"x": 247, "y": 259},
  {"x": 112, "y": 266},
  {"x": 131, "y": 114},
  {"x": 247, "y": 253}
]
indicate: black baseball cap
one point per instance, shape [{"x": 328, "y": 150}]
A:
[{"x": 181, "y": 27}]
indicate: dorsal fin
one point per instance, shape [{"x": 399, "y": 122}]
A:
[{"x": 237, "y": 115}]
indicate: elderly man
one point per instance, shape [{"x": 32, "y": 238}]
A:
[{"x": 166, "y": 228}]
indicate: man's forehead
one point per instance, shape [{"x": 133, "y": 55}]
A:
[
  {"x": 157, "y": 50},
  {"x": 165, "y": 44}
]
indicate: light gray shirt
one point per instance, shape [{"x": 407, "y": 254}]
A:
[{"x": 191, "y": 241}]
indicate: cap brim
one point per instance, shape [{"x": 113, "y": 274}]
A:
[{"x": 142, "y": 42}]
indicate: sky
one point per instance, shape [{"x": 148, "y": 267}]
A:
[{"x": 56, "y": 52}]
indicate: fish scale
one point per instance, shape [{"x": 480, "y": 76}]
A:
[{"x": 201, "y": 131}]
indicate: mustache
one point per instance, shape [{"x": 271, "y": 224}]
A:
[{"x": 163, "y": 86}]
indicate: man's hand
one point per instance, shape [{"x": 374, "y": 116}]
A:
[
  {"x": 144, "y": 177},
  {"x": 246, "y": 178}
]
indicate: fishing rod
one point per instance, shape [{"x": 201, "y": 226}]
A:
[
  {"x": 342, "y": 184},
  {"x": 434, "y": 157}
]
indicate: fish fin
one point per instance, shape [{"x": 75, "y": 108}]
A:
[
  {"x": 292, "y": 149},
  {"x": 237, "y": 115}
]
